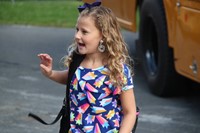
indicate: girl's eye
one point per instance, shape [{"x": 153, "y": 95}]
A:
[
  {"x": 77, "y": 29},
  {"x": 84, "y": 32}
]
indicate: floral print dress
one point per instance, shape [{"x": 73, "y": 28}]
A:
[{"x": 94, "y": 102}]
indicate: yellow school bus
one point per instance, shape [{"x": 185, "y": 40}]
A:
[{"x": 169, "y": 40}]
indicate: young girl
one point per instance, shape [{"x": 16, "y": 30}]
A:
[{"x": 101, "y": 91}]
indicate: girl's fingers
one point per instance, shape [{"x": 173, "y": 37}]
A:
[
  {"x": 45, "y": 57},
  {"x": 45, "y": 64},
  {"x": 45, "y": 70},
  {"x": 43, "y": 67}
]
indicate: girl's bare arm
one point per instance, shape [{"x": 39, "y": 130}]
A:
[{"x": 129, "y": 110}]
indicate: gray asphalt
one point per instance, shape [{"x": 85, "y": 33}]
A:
[{"x": 24, "y": 89}]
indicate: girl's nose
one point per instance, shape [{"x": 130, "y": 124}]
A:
[{"x": 77, "y": 35}]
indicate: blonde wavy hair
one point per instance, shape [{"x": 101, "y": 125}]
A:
[{"x": 116, "y": 49}]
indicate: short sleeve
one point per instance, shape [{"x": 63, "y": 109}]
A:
[{"x": 128, "y": 78}]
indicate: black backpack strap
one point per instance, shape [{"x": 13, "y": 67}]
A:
[
  {"x": 76, "y": 61},
  {"x": 45, "y": 123}
]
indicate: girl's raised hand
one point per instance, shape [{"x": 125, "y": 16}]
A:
[{"x": 46, "y": 64}]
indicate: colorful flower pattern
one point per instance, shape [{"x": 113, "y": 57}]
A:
[{"x": 94, "y": 101}]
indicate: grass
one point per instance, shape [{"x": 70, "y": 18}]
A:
[{"x": 40, "y": 13}]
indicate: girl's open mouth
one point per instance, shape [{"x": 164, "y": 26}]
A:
[{"x": 81, "y": 44}]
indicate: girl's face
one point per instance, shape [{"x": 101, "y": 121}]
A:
[{"x": 87, "y": 36}]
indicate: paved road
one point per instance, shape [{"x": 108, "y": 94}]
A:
[{"x": 24, "y": 89}]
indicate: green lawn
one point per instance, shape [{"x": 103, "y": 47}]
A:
[{"x": 40, "y": 13}]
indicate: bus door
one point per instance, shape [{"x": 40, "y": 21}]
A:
[{"x": 188, "y": 38}]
